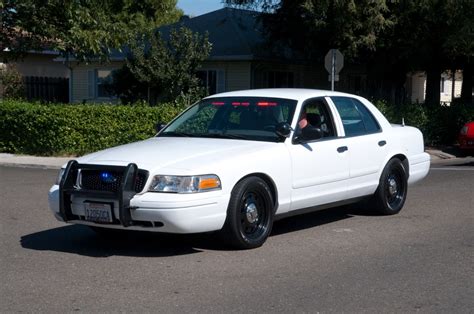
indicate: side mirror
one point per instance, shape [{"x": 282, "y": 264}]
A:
[
  {"x": 159, "y": 126},
  {"x": 309, "y": 133},
  {"x": 283, "y": 129}
]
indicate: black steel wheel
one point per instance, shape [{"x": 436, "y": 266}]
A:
[
  {"x": 392, "y": 190},
  {"x": 250, "y": 214}
]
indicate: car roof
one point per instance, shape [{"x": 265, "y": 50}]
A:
[{"x": 287, "y": 93}]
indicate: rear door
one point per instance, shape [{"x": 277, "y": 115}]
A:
[{"x": 366, "y": 143}]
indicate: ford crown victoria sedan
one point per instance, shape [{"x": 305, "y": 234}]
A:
[{"x": 234, "y": 162}]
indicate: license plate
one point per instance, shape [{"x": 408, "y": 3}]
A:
[{"x": 98, "y": 212}]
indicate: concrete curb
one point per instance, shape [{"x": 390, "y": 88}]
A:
[
  {"x": 437, "y": 154},
  {"x": 25, "y": 161}
]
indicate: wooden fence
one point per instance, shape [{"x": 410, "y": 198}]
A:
[{"x": 47, "y": 89}]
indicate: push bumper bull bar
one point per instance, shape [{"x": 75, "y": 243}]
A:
[{"x": 68, "y": 187}]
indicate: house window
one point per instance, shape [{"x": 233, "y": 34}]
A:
[
  {"x": 104, "y": 80},
  {"x": 208, "y": 79},
  {"x": 280, "y": 79}
]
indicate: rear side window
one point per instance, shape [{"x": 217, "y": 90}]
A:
[{"x": 356, "y": 118}]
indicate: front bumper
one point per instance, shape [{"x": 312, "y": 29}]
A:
[{"x": 159, "y": 212}]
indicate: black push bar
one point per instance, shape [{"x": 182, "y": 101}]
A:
[{"x": 68, "y": 186}]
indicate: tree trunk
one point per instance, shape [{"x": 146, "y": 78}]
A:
[
  {"x": 433, "y": 79},
  {"x": 467, "y": 81}
]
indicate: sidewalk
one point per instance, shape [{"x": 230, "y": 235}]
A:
[
  {"x": 438, "y": 155},
  {"x": 33, "y": 161},
  {"x": 57, "y": 162}
]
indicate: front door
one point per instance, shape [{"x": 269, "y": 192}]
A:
[{"x": 320, "y": 165}]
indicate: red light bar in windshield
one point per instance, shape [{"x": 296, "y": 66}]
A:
[
  {"x": 245, "y": 104},
  {"x": 266, "y": 104}
]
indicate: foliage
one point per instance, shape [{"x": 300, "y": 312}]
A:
[
  {"x": 313, "y": 27},
  {"x": 389, "y": 38},
  {"x": 432, "y": 36},
  {"x": 58, "y": 129},
  {"x": 126, "y": 86},
  {"x": 82, "y": 29},
  {"x": 11, "y": 84},
  {"x": 165, "y": 68},
  {"x": 440, "y": 124}
]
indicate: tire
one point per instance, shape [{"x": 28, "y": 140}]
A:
[
  {"x": 249, "y": 215},
  {"x": 391, "y": 193}
]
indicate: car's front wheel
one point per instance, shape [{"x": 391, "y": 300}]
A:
[
  {"x": 392, "y": 190},
  {"x": 250, "y": 214}
]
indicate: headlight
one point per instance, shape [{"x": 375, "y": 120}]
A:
[
  {"x": 185, "y": 184},
  {"x": 60, "y": 175}
]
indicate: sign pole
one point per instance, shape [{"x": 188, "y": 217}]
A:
[
  {"x": 333, "y": 68},
  {"x": 333, "y": 63}
]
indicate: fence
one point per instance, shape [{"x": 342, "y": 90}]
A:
[{"x": 47, "y": 89}]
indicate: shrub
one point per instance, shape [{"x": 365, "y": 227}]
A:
[
  {"x": 58, "y": 129},
  {"x": 440, "y": 125},
  {"x": 11, "y": 83}
]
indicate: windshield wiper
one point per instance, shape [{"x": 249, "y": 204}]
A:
[{"x": 179, "y": 134}]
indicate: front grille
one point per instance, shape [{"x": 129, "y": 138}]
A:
[{"x": 104, "y": 180}]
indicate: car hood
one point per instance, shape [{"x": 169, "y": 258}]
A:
[{"x": 170, "y": 153}]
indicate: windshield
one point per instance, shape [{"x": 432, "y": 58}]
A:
[{"x": 248, "y": 118}]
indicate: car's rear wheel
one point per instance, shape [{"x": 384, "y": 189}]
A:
[
  {"x": 391, "y": 193},
  {"x": 249, "y": 215}
]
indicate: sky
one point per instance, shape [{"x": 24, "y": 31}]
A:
[{"x": 199, "y": 7}]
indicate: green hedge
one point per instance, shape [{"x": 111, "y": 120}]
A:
[
  {"x": 58, "y": 129},
  {"x": 440, "y": 125}
]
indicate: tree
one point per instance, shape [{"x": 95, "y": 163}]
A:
[
  {"x": 389, "y": 37},
  {"x": 433, "y": 36},
  {"x": 80, "y": 29},
  {"x": 166, "y": 66},
  {"x": 11, "y": 84},
  {"x": 313, "y": 26}
]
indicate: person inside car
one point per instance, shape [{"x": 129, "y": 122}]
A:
[{"x": 309, "y": 126}]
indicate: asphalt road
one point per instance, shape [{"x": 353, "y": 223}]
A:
[{"x": 337, "y": 260}]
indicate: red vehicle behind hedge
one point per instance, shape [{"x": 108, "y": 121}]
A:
[{"x": 466, "y": 136}]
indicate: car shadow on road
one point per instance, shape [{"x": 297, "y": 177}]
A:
[
  {"x": 81, "y": 240},
  {"x": 319, "y": 217},
  {"x": 77, "y": 239}
]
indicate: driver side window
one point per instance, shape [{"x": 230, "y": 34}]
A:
[{"x": 315, "y": 114}]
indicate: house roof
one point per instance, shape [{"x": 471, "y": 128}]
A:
[{"x": 235, "y": 35}]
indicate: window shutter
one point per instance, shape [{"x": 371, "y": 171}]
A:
[
  {"x": 221, "y": 81},
  {"x": 91, "y": 84}
]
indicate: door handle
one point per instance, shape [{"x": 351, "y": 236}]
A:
[
  {"x": 342, "y": 149},
  {"x": 382, "y": 143}
]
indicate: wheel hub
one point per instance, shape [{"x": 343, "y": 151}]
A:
[
  {"x": 392, "y": 186},
  {"x": 251, "y": 213}
]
